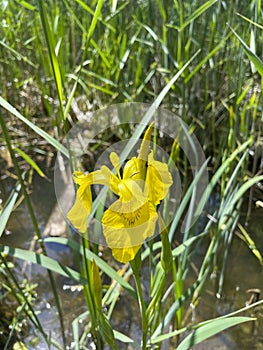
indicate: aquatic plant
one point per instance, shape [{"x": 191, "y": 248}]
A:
[{"x": 62, "y": 60}]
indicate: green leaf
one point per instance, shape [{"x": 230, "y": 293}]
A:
[
  {"x": 50, "y": 40},
  {"x": 39, "y": 131},
  {"x": 43, "y": 261},
  {"x": 27, "y": 5},
  {"x": 206, "y": 58},
  {"x": 17, "y": 54},
  {"x": 250, "y": 243},
  {"x": 30, "y": 161},
  {"x": 203, "y": 331},
  {"x": 97, "y": 285},
  {"x": 122, "y": 337},
  {"x": 209, "y": 329},
  {"x": 213, "y": 182},
  {"x": 95, "y": 19},
  {"x": 106, "y": 330},
  {"x": 230, "y": 207},
  {"x": 101, "y": 263},
  {"x": 198, "y": 13},
  {"x": 8, "y": 207},
  {"x": 250, "y": 21},
  {"x": 252, "y": 56}
]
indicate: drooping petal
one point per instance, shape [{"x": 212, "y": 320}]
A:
[
  {"x": 158, "y": 180},
  {"x": 84, "y": 194},
  {"x": 126, "y": 230},
  {"x": 78, "y": 215},
  {"x": 124, "y": 255},
  {"x": 84, "y": 181},
  {"x": 81, "y": 209}
]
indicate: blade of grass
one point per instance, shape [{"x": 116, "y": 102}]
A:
[
  {"x": 95, "y": 19},
  {"x": 203, "y": 332},
  {"x": 227, "y": 212},
  {"x": 43, "y": 261},
  {"x": 258, "y": 63},
  {"x": 8, "y": 207},
  {"x": 250, "y": 21},
  {"x": 250, "y": 243},
  {"x": 198, "y": 12},
  {"x": 58, "y": 146},
  {"x": 17, "y": 54},
  {"x": 211, "y": 328},
  {"x": 101, "y": 263},
  {"x": 207, "y": 57},
  {"x": 30, "y": 161},
  {"x": 50, "y": 41}
]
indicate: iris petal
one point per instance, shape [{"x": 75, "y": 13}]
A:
[
  {"x": 132, "y": 218},
  {"x": 115, "y": 161},
  {"x": 124, "y": 230},
  {"x": 133, "y": 169},
  {"x": 158, "y": 180},
  {"x": 78, "y": 215},
  {"x": 125, "y": 255}
]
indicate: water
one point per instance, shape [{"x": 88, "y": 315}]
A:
[{"x": 243, "y": 273}]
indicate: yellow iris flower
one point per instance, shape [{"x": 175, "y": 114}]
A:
[{"x": 132, "y": 217}]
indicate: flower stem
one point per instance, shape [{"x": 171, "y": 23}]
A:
[{"x": 136, "y": 272}]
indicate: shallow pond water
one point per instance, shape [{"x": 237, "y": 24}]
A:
[{"x": 243, "y": 272}]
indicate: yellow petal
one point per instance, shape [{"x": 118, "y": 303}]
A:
[
  {"x": 115, "y": 160},
  {"x": 96, "y": 177},
  {"x": 125, "y": 231},
  {"x": 84, "y": 194},
  {"x": 134, "y": 169},
  {"x": 125, "y": 255},
  {"x": 80, "y": 178},
  {"x": 112, "y": 180},
  {"x": 158, "y": 180},
  {"x": 79, "y": 212},
  {"x": 130, "y": 191},
  {"x": 78, "y": 215},
  {"x": 145, "y": 146}
]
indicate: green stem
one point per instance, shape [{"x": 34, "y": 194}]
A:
[
  {"x": 30, "y": 311},
  {"x": 89, "y": 293},
  {"x": 141, "y": 300},
  {"x": 35, "y": 224}
]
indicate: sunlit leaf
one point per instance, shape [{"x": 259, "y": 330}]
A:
[
  {"x": 209, "y": 329},
  {"x": 251, "y": 244},
  {"x": 258, "y": 63},
  {"x": 8, "y": 207},
  {"x": 101, "y": 263},
  {"x": 30, "y": 161},
  {"x": 35, "y": 128}
]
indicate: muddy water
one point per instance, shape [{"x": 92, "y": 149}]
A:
[{"x": 243, "y": 273}]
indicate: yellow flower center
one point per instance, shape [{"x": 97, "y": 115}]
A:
[{"x": 132, "y": 218}]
